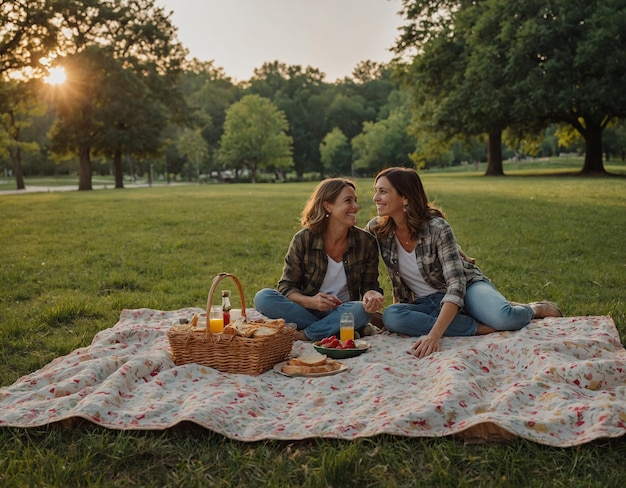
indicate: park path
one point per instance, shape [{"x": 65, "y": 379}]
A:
[{"x": 48, "y": 189}]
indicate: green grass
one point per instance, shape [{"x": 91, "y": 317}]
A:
[{"x": 70, "y": 262}]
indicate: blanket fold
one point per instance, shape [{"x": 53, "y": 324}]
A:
[{"x": 559, "y": 382}]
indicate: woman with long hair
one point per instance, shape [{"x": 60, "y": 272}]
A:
[
  {"x": 331, "y": 267},
  {"x": 437, "y": 290}
]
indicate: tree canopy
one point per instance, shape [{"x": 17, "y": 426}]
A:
[
  {"x": 118, "y": 55},
  {"x": 26, "y": 34},
  {"x": 255, "y": 136},
  {"x": 527, "y": 77},
  {"x": 487, "y": 65}
]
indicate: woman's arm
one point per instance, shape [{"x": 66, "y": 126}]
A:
[
  {"x": 451, "y": 262},
  {"x": 429, "y": 343},
  {"x": 371, "y": 291},
  {"x": 292, "y": 276},
  {"x": 320, "y": 301}
]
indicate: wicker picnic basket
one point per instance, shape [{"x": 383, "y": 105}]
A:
[{"x": 226, "y": 352}]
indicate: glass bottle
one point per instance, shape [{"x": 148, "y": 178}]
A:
[{"x": 226, "y": 306}]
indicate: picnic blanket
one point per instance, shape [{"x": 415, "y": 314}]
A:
[{"x": 558, "y": 381}]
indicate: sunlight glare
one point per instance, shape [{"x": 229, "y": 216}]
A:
[{"x": 56, "y": 76}]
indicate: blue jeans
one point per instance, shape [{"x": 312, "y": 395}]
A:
[
  {"x": 315, "y": 323},
  {"x": 483, "y": 303}
]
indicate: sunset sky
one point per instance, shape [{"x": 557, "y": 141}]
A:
[{"x": 331, "y": 35}]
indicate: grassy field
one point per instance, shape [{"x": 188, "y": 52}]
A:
[{"x": 71, "y": 261}]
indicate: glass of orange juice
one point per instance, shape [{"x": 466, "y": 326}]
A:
[
  {"x": 346, "y": 327},
  {"x": 216, "y": 319}
]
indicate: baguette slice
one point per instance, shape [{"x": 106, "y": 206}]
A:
[
  {"x": 293, "y": 369},
  {"x": 274, "y": 324},
  {"x": 264, "y": 331}
]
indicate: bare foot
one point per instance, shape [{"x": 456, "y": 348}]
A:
[
  {"x": 483, "y": 329},
  {"x": 300, "y": 336}
]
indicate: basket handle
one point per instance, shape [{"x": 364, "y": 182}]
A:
[{"x": 209, "y": 301}]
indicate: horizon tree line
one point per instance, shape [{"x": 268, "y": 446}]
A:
[{"x": 476, "y": 80}]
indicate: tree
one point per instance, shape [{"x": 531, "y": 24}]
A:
[
  {"x": 26, "y": 34},
  {"x": 79, "y": 123},
  {"x": 194, "y": 147},
  {"x": 374, "y": 82},
  {"x": 614, "y": 141},
  {"x": 131, "y": 41},
  {"x": 348, "y": 113},
  {"x": 335, "y": 153},
  {"x": 255, "y": 136},
  {"x": 491, "y": 64},
  {"x": 209, "y": 93},
  {"x": 301, "y": 94},
  {"x": 459, "y": 90},
  {"x": 567, "y": 63},
  {"x": 383, "y": 143},
  {"x": 367, "y": 71},
  {"x": 19, "y": 106}
]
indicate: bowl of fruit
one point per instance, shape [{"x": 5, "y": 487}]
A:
[{"x": 336, "y": 349}]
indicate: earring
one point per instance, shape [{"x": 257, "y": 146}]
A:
[{"x": 327, "y": 215}]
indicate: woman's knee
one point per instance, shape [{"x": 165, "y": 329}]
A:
[
  {"x": 390, "y": 318},
  {"x": 263, "y": 297}
]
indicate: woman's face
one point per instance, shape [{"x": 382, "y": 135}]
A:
[
  {"x": 343, "y": 211},
  {"x": 387, "y": 200}
]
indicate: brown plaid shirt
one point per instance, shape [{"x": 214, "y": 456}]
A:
[
  {"x": 438, "y": 259},
  {"x": 306, "y": 264}
]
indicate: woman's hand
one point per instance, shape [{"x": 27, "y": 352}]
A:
[
  {"x": 425, "y": 346},
  {"x": 429, "y": 344},
  {"x": 323, "y": 302},
  {"x": 372, "y": 301}
]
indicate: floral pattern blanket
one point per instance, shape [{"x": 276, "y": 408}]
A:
[{"x": 559, "y": 382}]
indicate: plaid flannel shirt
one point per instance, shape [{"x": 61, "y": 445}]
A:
[
  {"x": 438, "y": 259},
  {"x": 306, "y": 264}
]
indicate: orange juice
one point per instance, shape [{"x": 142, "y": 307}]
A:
[
  {"x": 346, "y": 327},
  {"x": 346, "y": 333},
  {"x": 216, "y": 324}
]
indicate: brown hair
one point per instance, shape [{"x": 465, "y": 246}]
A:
[
  {"x": 419, "y": 210},
  {"x": 314, "y": 214}
]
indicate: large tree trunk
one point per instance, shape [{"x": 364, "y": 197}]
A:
[
  {"x": 117, "y": 168},
  {"x": 593, "y": 150},
  {"x": 16, "y": 155},
  {"x": 84, "y": 168},
  {"x": 494, "y": 154},
  {"x": 17, "y": 168}
]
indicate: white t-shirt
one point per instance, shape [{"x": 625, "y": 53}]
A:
[
  {"x": 335, "y": 281},
  {"x": 411, "y": 273}
]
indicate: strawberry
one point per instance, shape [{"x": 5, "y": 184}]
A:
[
  {"x": 350, "y": 344},
  {"x": 335, "y": 343}
]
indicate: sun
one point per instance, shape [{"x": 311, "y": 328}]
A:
[{"x": 56, "y": 76}]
